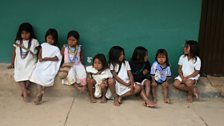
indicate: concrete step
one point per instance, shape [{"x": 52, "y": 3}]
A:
[{"x": 9, "y": 87}]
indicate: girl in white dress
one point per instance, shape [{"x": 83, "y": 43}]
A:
[
  {"x": 189, "y": 66},
  {"x": 100, "y": 81},
  {"x": 48, "y": 64},
  {"x": 73, "y": 70},
  {"x": 121, "y": 71},
  {"x": 24, "y": 57}
]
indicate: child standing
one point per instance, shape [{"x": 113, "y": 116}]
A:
[
  {"x": 160, "y": 72},
  {"x": 100, "y": 78},
  {"x": 24, "y": 57},
  {"x": 121, "y": 71},
  {"x": 189, "y": 66},
  {"x": 48, "y": 64},
  {"x": 140, "y": 68},
  {"x": 73, "y": 58}
]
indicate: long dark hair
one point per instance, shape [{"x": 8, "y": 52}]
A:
[
  {"x": 139, "y": 54},
  {"x": 164, "y": 52},
  {"x": 25, "y": 27},
  {"x": 53, "y": 33},
  {"x": 194, "y": 48},
  {"x": 114, "y": 54},
  {"x": 101, "y": 57}
]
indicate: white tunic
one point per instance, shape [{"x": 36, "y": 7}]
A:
[
  {"x": 189, "y": 67},
  {"x": 99, "y": 78},
  {"x": 45, "y": 72},
  {"x": 123, "y": 74},
  {"x": 24, "y": 67}
]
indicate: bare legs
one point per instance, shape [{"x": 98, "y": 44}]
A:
[
  {"x": 165, "y": 87},
  {"x": 24, "y": 89},
  {"x": 188, "y": 87},
  {"x": 39, "y": 95}
]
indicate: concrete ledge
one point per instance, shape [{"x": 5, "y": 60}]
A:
[{"x": 9, "y": 87}]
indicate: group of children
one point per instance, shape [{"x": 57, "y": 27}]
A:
[{"x": 115, "y": 79}]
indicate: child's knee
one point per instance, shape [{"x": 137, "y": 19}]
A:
[
  {"x": 189, "y": 83},
  {"x": 154, "y": 85},
  {"x": 111, "y": 82},
  {"x": 176, "y": 84}
]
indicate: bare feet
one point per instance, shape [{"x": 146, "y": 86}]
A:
[
  {"x": 119, "y": 100},
  {"x": 167, "y": 100},
  {"x": 150, "y": 104},
  {"x": 189, "y": 99},
  {"x": 38, "y": 100},
  {"x": 93, "y": 100},
  {"x": 116, "y": 103},
  {"x": 195, "y": 93},
  {"x": 103, "y": 100},
  {"x": 82, "y": 89}
]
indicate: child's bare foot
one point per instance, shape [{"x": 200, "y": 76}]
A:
[
  {"x": 120, "y": 100},
  {"x": 116, "y": 103},
  {"x": 167, "y": 100},
  {"x": 189, "y": 99},
  {"x": 80, "y": 88},
  {"x": 38, "y": 100},
  {"x": 149, "y": 104},
  {"x": 93, "y": 100},
  {"x": 103, "y": 100},
  {"x": 195, "y": 93}
]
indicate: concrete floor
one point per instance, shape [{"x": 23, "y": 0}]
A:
[{"x": 78, "y": 111}]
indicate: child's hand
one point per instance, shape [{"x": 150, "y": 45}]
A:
[
  {"x": 184, "y": 79},
  {"x": 145, "y": 72},
  {"x": 11, "y": 66}
]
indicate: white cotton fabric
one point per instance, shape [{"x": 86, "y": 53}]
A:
[{"x": 45, "y": 72}]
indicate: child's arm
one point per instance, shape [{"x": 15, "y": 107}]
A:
[
  {"x": 41, "y": 59},
  {"x": 50, "y": 59},
  {"x": 62, "y": 51},
  {"x": 147, "y": 68},
  {"x": 181, "y": 73},
  {"x": 119, "y": 79},
  {"x": 196, "y": 72},
  {"x": 131, "y": 78},
  {"x": 13, "y": 58},
  {"x": 81, "y": 57}
]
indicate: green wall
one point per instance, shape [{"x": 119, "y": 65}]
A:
[{"x": 103, "y": 23}]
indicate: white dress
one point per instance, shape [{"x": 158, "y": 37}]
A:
[
  {"x": 23, "y": 68},
  {"x": 45, "y": 72},
  {"x": 189, "y": 66},
  {"x": 99, "y": 78},
  {"x": 123, "y": 74}
]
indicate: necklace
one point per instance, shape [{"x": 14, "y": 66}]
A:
[
  {"x": 24, "y": 54},
  {"x": 73, "y": 52}
]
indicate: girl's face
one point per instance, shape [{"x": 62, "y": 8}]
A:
[
  {"x": 161, "y": 58},
  {"x": 97, "y": 64},
  {"x": 72, "y": 41},
  {"x": 121, "y": 58},
  {"x": 25, "y": 35},
  {"x": 50, "y": 39},
  {"x": 146, "y": 57},
  {"x": 186, "y": 49}
]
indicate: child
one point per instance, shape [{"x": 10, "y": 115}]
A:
[
  {"x": 189, "y": 66},
  {"x": 47, "y": 65},
  {"x": 140, "y": 68},
  {"x": 121, "y": 71},
  {"x": 24, "y": 57},
  {"x": 73, "y": 69},
  {"x": 100, "y": 76},
  {"x": 160, "y": 72}
]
